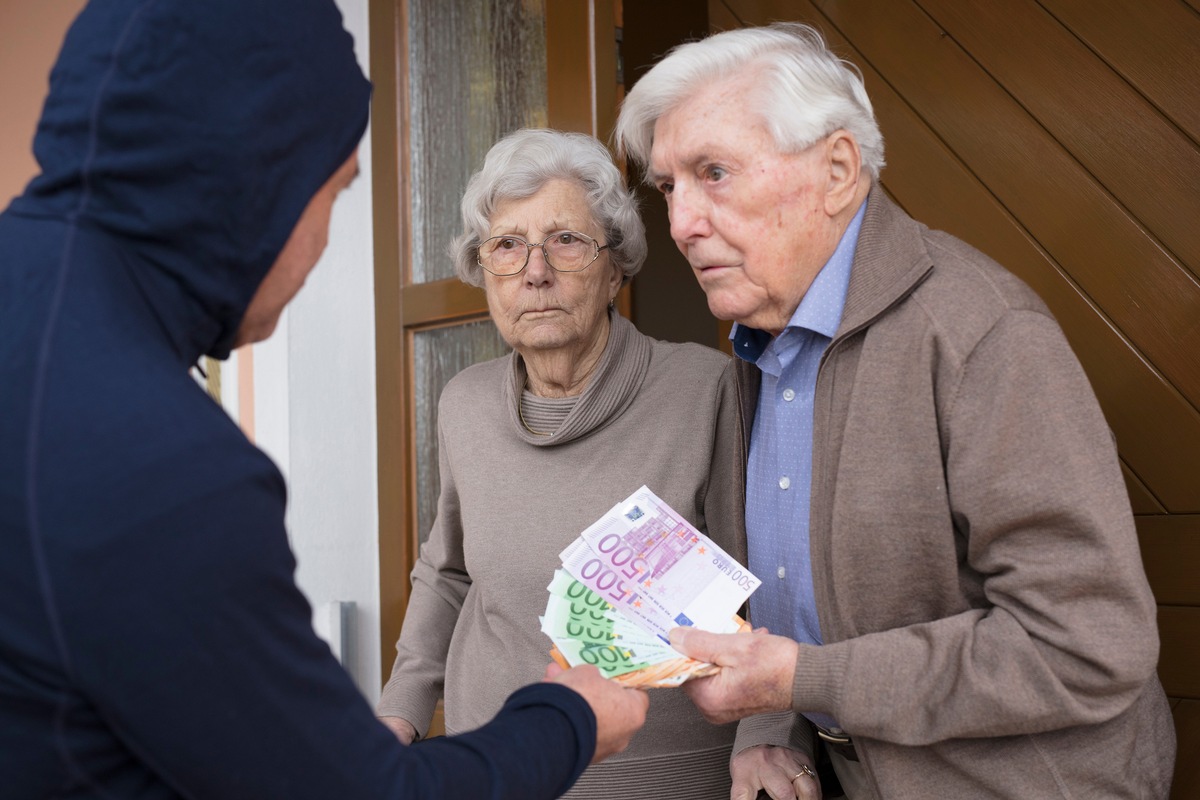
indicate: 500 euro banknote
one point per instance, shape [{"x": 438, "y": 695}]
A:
[{"x": 652, "y": 565}]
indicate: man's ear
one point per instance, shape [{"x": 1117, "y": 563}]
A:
[{"x": 845, "y": 168}]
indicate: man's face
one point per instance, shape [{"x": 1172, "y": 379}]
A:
[
  {"x": 751, "y": 221},
  {"x": 296, "y": 260}
]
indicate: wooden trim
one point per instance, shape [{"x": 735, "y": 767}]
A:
[
  {"x": 1141, "y": 499},
  {"x": 568, "y": 98},
  {"x": 606, "y": 92},
  {"x": 386, "y": 43},
  {"x": 427, "y": 304}
]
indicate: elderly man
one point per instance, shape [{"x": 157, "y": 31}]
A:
[
  {"x": 934, "y": 502},
  {"x": 153, "y": 642}
]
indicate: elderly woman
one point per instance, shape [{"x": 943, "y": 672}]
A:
[{"x": 537, "y": 445}]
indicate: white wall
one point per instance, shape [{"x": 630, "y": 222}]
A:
[{"x": 314, "y": 388}]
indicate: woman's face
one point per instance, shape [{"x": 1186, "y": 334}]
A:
[{"x": 541, "y": 309}]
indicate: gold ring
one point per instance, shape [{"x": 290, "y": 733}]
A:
[{"x": 804, "y": 770}]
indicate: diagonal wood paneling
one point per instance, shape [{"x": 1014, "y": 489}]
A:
[
  {"x": 1153, "y": 44},
  {"x": 1140, "y": 498},
  {"x": 1143, "y": 159},
  {"x": 1153, "y": 301}
]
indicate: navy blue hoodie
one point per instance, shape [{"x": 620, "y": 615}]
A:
[{"x": 153, "y": 643}]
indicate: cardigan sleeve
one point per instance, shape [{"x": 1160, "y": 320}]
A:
[
  {"x": 1064, "y": 632},
  {"x": 440, "y": 583}
]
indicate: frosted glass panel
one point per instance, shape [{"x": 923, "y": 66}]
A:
[
  {"x": 438, "y": 355},
  {"x": 477, "y": 71}
]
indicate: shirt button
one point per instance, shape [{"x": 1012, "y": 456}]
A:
[
  {"x": 781, "y": 572},
  {"x": 789, "y": 395},
  {"x": 785, "y": 482}
]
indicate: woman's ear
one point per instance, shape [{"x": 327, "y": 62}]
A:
[{"x": 615, "y": 281}]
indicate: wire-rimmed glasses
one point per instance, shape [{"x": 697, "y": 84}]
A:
[{"x": 564, "y": 251}]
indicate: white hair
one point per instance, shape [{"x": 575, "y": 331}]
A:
[
  {"x": 524, "y": 161},
  {"x": 805, "y": 91}
]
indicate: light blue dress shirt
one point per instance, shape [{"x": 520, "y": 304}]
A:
[{"x": 779, "y": 472}]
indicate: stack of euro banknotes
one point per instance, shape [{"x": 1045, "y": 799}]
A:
[{"x": 634, "y": 574}]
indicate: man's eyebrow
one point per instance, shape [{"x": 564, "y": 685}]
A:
[{"x": 654, "y": 177}]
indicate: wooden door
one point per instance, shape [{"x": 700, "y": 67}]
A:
[{"x": 452, "y": 76}]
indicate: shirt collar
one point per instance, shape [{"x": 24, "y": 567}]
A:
[{"x": 821, "y": 308}]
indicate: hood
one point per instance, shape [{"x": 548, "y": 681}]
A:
[{"x": 194, "y": 134}]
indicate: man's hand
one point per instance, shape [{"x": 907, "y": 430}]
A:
[
  {"x": 756, "y": 672},
  {"x": 769, "y": 768},
  {"x": 404, "y": 731},
  {"x": 620, "y": 712}
]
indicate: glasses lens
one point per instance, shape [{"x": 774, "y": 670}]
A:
[
  {"x": 568, "y": 250},
  {"x": 503, "y": 255}
]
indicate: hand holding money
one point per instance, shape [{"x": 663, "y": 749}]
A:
[
  {"x": 630, "y": 578},
  {"x": 755, "y": 676},
  {"x": 620, "y": 712}
]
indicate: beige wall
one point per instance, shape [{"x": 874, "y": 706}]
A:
[{"x": 30, "y": 35}]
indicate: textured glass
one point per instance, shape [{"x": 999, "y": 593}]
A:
[
  {"x": 438, "y": 355},
  {"x": 477, "y": 70}
]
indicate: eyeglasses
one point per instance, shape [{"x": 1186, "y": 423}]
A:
[{"x": 565, "y": 251}]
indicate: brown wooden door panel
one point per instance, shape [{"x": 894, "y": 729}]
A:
[
  {"x": 1162, "y": 449},
  {"x": 1187, "y": 767},
  {"x": 1171, "y": 552},
  {"x": 1179, "y": 661},
  {"x": 1140, "y": 498},
  {"x": 1153, "y": 44},
  {"x": 1090, "y": 110},
  {"x": 1093, "y": 238}
]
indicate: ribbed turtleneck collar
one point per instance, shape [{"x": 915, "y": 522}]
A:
[{"x": 613, "y": 385}]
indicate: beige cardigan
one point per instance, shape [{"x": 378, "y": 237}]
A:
[
  {"x": 989, "y": 629},
  {"x": 655, "y": 413}
]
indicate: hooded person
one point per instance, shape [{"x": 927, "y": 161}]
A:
[{"x": 153, "y": 642}]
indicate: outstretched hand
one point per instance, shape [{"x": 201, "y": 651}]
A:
[
  {"x": 620, "y": 712},
  {"x": 755, "y": 676}
]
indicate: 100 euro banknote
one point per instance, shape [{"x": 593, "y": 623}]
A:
[{"x": 587, "y": 630}]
